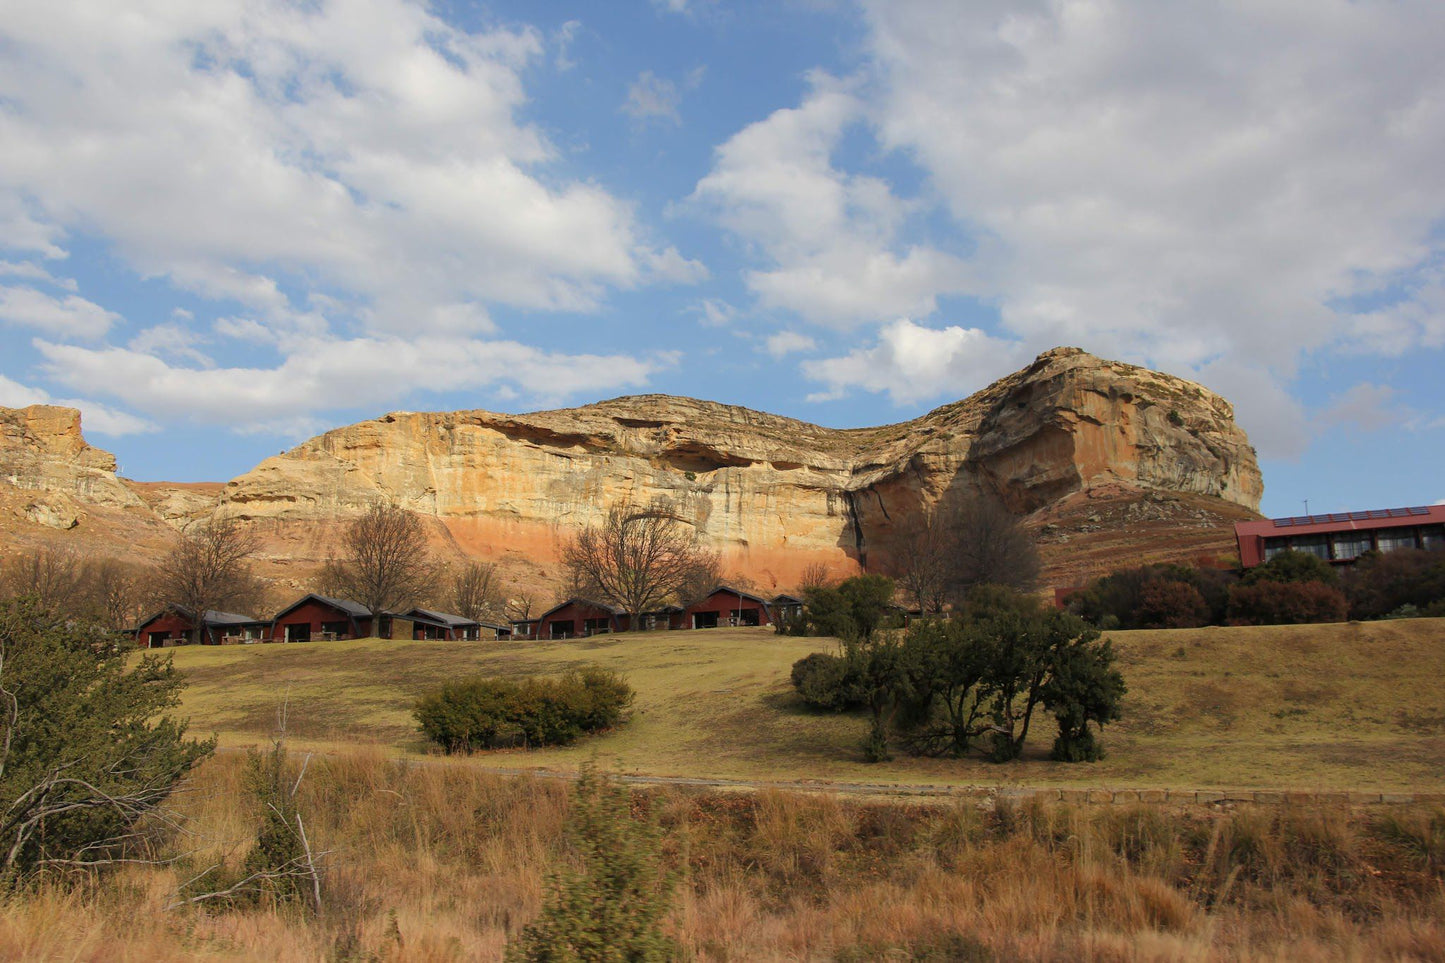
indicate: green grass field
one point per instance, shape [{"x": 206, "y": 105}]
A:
[{"x": 1349, "y": 706}]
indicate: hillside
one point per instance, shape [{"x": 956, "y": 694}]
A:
[{"x": 1302, "y": 707}]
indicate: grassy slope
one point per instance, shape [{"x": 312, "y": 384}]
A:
[{"x": 1312, "y": 707}]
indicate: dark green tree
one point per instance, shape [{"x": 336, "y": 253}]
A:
[
  {"x": 1083, "y": 687},
  {"x": 612, "y": 906},
  {"x": 87, "y": 751},
  {"x": 1292, "y": 566}
]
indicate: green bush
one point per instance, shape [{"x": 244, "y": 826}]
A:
[
  {"x": 543, "y": 711},
  {"x": 826, "y": 682},
  {"x": 610, "y": 903}
]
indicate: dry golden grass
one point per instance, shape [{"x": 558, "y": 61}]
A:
[
  {"x": 446, "y": 862},
  {"x": 1298, "y": 707}
]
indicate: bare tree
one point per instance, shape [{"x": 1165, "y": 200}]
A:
[
  {"x": 475, "y": 591},
  {"x": 518, "y": 607},
  {"x": 923, "y": 559},
  {"x": 817, "y": 575},
  {"x": 990, "y": 547},
  {"x": 638, "y": 559},
  {"x": 116, "y": 592},
  {"x": 387, "y": 565},
  {"x": 51, "y": 574},
  {"x": 208, "y": 568}
]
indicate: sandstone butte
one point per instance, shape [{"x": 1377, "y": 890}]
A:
[{"x": 1110, "y": 463}]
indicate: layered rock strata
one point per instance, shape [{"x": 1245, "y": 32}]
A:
[{"x": 772, "y": 494}]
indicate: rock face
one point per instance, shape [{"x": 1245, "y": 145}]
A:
[
  {"x": 49, "y": 475},
  {"x": 774, "y": 495}
]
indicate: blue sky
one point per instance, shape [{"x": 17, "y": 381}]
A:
[{"x": 225, "y": 227}]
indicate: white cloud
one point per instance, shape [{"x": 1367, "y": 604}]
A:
[
  {"x": 1194, "y": 181},
  {"x": 95, "y": 418},
  {"x": 913, "y": 363},
  {"x": 831, "y": 238},
  {"x": 30, "y": 271},
  {"x": 1366, "y": 406},
  {"x": 563, "y": 39},
  {"x": 652, "y": 96},
  {"x": 361, "y": 146},
  {"x": 713, "y": 313},
  {"x": 320, "y": 374},
  {"x": 174, "y": 341},
  {"x": 72, "y": 315},
  {"x": 787, "y": 342}
]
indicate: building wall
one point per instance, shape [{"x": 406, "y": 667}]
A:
[
  {"x": 315, "y": 614},
  {"x": 1341, "y": 542},
  {"x": 577, "y": 614},
  {"x": 177, "y": 627},
  {"x": 725, "y": 605}
]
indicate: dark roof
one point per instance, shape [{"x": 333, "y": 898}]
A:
[
  {"x": 353, "y": 609},
  {"x": 442, "y": 618},
  {"x": 213, "y": 617},
  {"x": 501, "y": 626},
  {"x": 587, "y": 603},
  {"x": 787, "y": 600},
  {"x": 740, "y": 593}
]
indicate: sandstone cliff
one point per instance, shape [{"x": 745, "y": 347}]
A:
[
  {"x": 49, "y": 475},
  {"x": 772, "y": 494}
]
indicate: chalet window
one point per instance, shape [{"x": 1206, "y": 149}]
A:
[
  {"x": 336, "y": 630},
  {"x": 1273, "y": 546},
  {"x": 563, "y": 629},
  {"x": 1347, "y": 545},
  {"x": 1393, "y": 539},
  {"x": 704, "y": 620},
  {"x": 1432, "y": 537},
  {"x": 298, "y": 632},
  {"x": 157, "y": 640},
  {"x": 596, "y": 626},
  {"x": 1316, "y": 545}
]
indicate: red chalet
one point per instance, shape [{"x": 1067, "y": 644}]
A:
[
  {"x": 173, "y": 626},
  {"x": 1342, "y": 537},
  {"x": 726, "y": 605},
  {"x": 576, "y": 618},
  {"x": 318, "y": 617}
]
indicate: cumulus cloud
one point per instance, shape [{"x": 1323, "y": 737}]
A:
[
  {"x": 96, "y": 418},
  {"x": 1193, "y": 181},
  {"x": 71, "y": 315},
  {"x": 787, "y": 342},
  {"x": 30, "y": 271},
  {"x": 371, "y": 149},
  {"x": 651, "y": 96},
  {"x": 320, "y": 374},
  {"x": 830, "y": 238},
  {"x": 910, "y": 363}
]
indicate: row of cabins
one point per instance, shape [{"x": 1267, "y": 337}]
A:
[
  {"x": 317, "y": 617},
  {"x": 313, "y": 617},
  {"x": 724, "y": 606},
  {"x": 1342, "y": 537}
]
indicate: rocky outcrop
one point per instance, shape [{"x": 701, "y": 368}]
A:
[
  {"x": 49, "y": 475},
  {"x": 774, "y": 495}
]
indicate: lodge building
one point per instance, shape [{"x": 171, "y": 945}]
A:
[{"x": 1342, "y": 537}]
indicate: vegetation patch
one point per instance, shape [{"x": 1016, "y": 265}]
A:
[{"x": 484, "y": 713}]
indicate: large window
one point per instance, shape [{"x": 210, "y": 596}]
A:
[
  {"x": 1393, "y": 539},
  {"x": 596, "y": 626},
  {"x": 1432, "y": 537},
  {"x": 1316, "y": 545},
  {"x": 1347, "y": 545},
  {"x": 563, "y": 629},
  {"x": 1273, "y": 546}
]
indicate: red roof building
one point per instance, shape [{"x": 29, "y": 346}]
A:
[
  {"x": 727, "y": 606},
  {"x": 1342, "y": 537}
]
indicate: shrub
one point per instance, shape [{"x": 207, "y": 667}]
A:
[
  {"x": 826, "y": 682},
  {"x": 612, "y": 907},
  {"x": 1166, "y": 604},
  {"x": 1292, "y": 566},
  {"x": 1286, "y": 603},
  {"x": 1379, "y": 584},
  {"x": 483, "y": 713}
]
